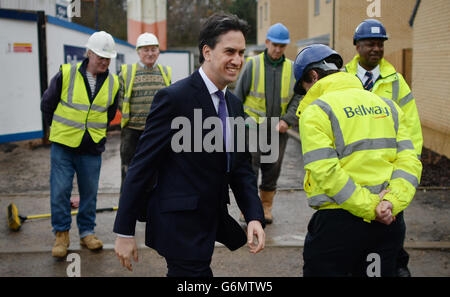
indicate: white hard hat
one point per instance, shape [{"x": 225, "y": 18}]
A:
[
  {"x": 102, "y": 44},
  {"x": 146, "y": 39}
]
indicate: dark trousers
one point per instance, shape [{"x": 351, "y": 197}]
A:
[
  {"x": 403, "y": 256},
  {"x": 128, "y": 142},
  {"x": 270, "y": 172},
  {"x": 184, "y": 268},
  {"x": 340, "y": 244}
]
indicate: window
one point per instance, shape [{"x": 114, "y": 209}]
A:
[{"x": 316, "y": 7}]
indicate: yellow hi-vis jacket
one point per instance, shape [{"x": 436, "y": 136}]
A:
[
  {"x": 355, "y": 144},
  {"x": 392, "y": 85},
  {"x": 74, "y": 113},
  {"x": 128, "y": 74},
  {"x": 255, "y": 102}
]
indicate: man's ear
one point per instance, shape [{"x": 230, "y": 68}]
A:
[
  {"x": 206, "y": 51},
  {"x": 314, "y": 75},
  {"x": 358, "y": 46}
]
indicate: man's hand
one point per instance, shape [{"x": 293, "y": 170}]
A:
[
  {"x": 282, "y": 126},
  {"x": 126, "y": 248},
  {"x": 254, "y": 229},
  {"x": 384, "y": 212},
  {"x": 384, "y": 209}
]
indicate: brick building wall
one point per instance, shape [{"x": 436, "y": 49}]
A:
[
  {"x": 347, "y": 16},
  {"x": 393, "y": 14},
  {"x": 420, "y": 53},
  {"x": 431, "y": 72},
  {"x": 291, "y": 13},
  {"x": 320, "y": 18}
]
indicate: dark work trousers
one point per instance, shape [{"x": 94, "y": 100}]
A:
[
  {"x": 270, "y": 172},
  {"x": 128, "y": 142},
  {"x": 403, "y": 256},
  {"x": 183, "y": 268},
  {"x": 339, "y": 243}
]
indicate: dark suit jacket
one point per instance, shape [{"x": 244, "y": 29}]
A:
[{"x": 187, "y": 209}]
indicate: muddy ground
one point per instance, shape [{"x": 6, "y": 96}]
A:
[
  {"x": 24, "y": 180},
  {"x": 436, "y": 169},
  {"x": 25, "y": 166}
]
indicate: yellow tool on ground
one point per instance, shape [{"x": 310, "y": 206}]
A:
[{"x": 15, "y": 220}]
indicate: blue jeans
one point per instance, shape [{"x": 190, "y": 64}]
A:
[{"x": 64, "y": 164}]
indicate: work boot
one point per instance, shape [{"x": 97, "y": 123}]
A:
[
  {"x": 62, "y": 242},
  {"x": 403, "y": 272},
  {"x": 91, "y": 242},
  {"x": 267, "y": 201}
]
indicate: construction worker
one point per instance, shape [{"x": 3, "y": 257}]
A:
[
  {"x": 139, "y": 83},
  {"x": 380, "y": 77},
  {"x": 265, "y": 87},
  {"x": 361, "y": 169},
  {"x": 79, "y": 104}
]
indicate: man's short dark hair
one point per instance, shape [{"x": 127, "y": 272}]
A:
[{"x": 216, "y": 25}]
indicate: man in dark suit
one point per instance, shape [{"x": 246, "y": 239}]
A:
[{"x": 187, "y": 209}]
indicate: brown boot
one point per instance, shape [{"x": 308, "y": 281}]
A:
[
  {"x": 267, "y": 201},
  {"x": 91, "y": 242},
  {"x": 62, "y": 242}
]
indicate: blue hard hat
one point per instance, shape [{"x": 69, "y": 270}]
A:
[
  {"x": 369, "y": 28},
  {"x": 313, "y": 56},
  {"x": 278, "y": 33}
]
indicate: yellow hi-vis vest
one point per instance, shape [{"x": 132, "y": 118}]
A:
[
  {"x": 392, "y": 85},
  {"x": 128, "y": 74},
  {"x": 255, "y": 102},
  {"x": 355, "y": 144},
  {"x": 74, "y": 113}
]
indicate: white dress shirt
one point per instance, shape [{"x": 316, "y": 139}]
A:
[
  {"x": 212, "y": 89},
  {"x": 361, "y": 73}
]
